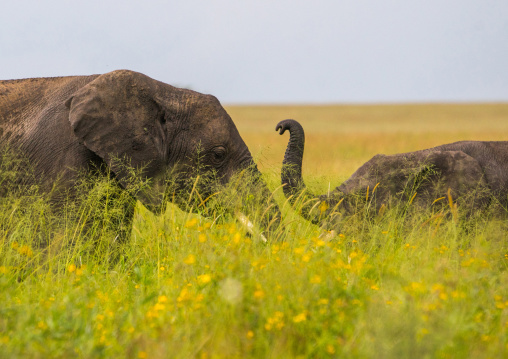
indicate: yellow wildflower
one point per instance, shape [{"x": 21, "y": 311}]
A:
[
  {"x": 191, "y": 223},
  {"x": 71, "y": 268},
  {"x": 202, "y": 238},
  {"x": 237, "y": 237},
  {"x": 468, "y": 262},
  {"x": 320, "y": 243},
  {"x": 259, "y": 294},
  {"x": 415, "y": 287},
  {"x": 185, "y": 295},
  {"x": 80, "y": 270},
  {"x": 191, "y": 259},
  {"x": 259, "y": 264},
  {"x": 300, "y": 317},
  {"x": 204, "y": 279},
  {"x": 323, "y": 206},
  {"x": 158, "y": 306},
  {"x": 299, "y": 250},
  {"x": 275, "y": 322},
  {"x": 315, "y": 279},
  {"x": 26, "y": 250}
]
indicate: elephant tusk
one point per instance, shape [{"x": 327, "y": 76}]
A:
[
  {"x": 327, "y": 235},
  {"x": 250, "y": 227}
]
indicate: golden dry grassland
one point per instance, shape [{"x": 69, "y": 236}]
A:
[{"x": 340, "y": 138}]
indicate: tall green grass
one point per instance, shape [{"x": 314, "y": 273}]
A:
[{"x": 419, "y": 284}]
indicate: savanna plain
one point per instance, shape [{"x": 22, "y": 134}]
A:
[{"x": 415, "y": 283}]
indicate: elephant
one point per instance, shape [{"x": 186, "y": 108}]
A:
[
  {"x": 473, "y": 174},
  {"x": 67, "y": 126}
]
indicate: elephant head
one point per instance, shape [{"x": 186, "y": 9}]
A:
[{"x": 161, "y": 130}]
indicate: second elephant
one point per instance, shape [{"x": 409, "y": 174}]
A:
[{"x": 472, "y": 172}]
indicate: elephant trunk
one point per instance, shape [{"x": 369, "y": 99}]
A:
[{"x": 291, "y": 173}]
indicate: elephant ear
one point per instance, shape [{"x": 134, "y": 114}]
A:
[{"x": 116, "y": 117}]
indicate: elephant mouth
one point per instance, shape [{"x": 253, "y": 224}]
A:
[{"x": 242, "y": 195}]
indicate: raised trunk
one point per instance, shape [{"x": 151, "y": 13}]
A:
[{"x": 291, "y": 173}]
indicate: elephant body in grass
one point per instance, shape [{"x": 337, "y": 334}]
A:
[
  {"x": 67, "y": 126},
  {"x": 472, "y": 173}
]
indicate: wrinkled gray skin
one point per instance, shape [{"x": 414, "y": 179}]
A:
[
  {"x": 71, "y": 125},
  {"x": 476, "y": 172}
]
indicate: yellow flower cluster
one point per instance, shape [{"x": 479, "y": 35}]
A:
[
  {"x": 300, "y": 317},
  {"x": 355, "y": 262},
  {"x": 102, "y": 332},
  {"x": 189, "y": 298},
  {"x": 275, "y": 322},
  {"x": 158, "y": 307},
  {"x": 24, "y": 250},
  {"x": 77, "y": 270},
  {"x": 204, "y": 279},
  {"x": 433, "y": 297},
  {"x": 191, "y": 259},
  {"x": 500, "y": 302},
  {"x": 259, "y": 293}
]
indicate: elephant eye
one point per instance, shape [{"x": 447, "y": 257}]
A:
[
  {"x": 219, "y": 154},
  {"x": 162, "y": 118}
]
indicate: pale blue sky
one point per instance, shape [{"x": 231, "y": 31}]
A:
[{"x": 260, "y": 51}]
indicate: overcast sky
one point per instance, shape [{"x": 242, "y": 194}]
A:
[{"x": 271, "y": 51}]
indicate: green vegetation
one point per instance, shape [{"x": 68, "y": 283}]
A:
[{"x": 425, "y": 284}]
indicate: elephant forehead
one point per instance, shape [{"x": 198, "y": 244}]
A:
[
  {"x": 214, "y": 122},
  {"x": 383, "y": 164},
  {"x": 385, "y": 169}
]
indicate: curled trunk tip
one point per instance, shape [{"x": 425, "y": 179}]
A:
[
  {"x": 291, "y": 125},
  {"x": 291, "y": 174}
]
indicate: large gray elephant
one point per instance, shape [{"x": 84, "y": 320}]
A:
[
  {"x": 67, "y": 126},
  {"x": 474, "y": 173}
]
